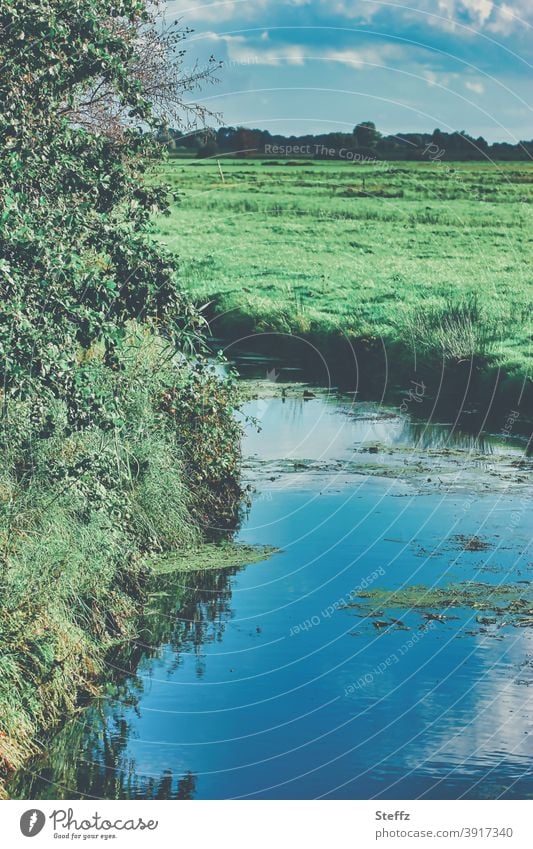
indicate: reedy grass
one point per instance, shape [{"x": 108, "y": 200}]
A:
[
  {"x": 455, "y": 332},
  {"x": 82, "y": 512}
]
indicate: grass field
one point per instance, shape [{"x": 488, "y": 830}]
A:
[{"x": 431, "y": 255}]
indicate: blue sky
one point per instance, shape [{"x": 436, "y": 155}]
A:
[{"x": 295, "y": 66}]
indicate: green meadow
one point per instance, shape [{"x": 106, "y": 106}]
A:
[{"x": 435, "y": 256}]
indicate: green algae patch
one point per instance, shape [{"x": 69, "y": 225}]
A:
[
  {"x": 511, "y": 600},
  {"x": 212, "y": 556},
  {"x": 475, "y": 595}
]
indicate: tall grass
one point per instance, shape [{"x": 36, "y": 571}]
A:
[
  {"x": 458, "y": 330},
  {"x": 80, "y": 510}
]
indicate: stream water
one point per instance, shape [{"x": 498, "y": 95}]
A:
[{"x": 263, "y": 681}]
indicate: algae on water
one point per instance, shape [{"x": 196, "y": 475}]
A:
[
  {"x": 212, "y": 556},
  {"x": 506, "y": 600}
]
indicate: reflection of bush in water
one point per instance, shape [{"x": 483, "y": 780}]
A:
[
  {"x": 191, "y": 611},
  {"x": 91, "y": 752}
]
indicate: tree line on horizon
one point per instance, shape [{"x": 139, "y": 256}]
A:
[{"x": 363, "y": 143}]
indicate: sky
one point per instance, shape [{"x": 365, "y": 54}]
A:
[{"x": 310, "y": 66}]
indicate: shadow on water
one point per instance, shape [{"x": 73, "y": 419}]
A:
[
  {"x": 89, "y": 756},
  {"x": 451, "y": 393}
]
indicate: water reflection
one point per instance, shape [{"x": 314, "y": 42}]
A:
[
  {"x": 90, "y": 756},
  {"x": 327, "y": 429},
  {"x": 226, "y": 694}
]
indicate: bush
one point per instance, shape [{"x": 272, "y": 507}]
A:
[
  {"x": 97, "y": 469},
  {"x": 80, "y": 508}
]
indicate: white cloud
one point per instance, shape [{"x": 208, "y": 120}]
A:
[
  {"x": 246, "y": 54},
  {"x": 434, "y": 78},
  {"x": 475, "y": 86},
  {"x": 507, "y": 19},
  {"x": 442, "y": 79},
  {"x": 363, "y": 56},
  {"x": 239, "y": 50},
  {"x": 220, "y": 37},
  {"x": 482, "y": 15},
  {"x": 480, "y": 9}
]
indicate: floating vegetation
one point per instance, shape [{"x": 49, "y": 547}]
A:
[
  {"x": 468, "y": 594},
  {"x": 212, "y": 556},
  {"x": 471, "y": 543},
  {"x": 509, "y": 603}
]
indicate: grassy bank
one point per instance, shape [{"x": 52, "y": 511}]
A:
[
  {"x": 86, "y": 751},
  {"x": 415, "y": 270},
  {"x": 116, "y": 440},
  {"x": 82, "y": 512}
]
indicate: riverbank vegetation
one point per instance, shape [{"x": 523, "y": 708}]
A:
[
  {"x": 420, "y": 272},
  {"x": 118, "y": 438}
]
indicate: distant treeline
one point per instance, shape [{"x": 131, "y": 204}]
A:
[{"x": 363, "y": 144}]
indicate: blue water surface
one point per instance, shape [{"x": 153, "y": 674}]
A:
[{"x": 275, "y": 686}]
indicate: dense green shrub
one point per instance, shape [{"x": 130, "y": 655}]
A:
[
  {"x": 101, "y": 402},
  {"x": 75, "y": 260},
  {"x": 81, "y": 508}
]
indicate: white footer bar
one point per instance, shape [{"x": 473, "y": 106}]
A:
[{"x": 268, "y": 824}]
